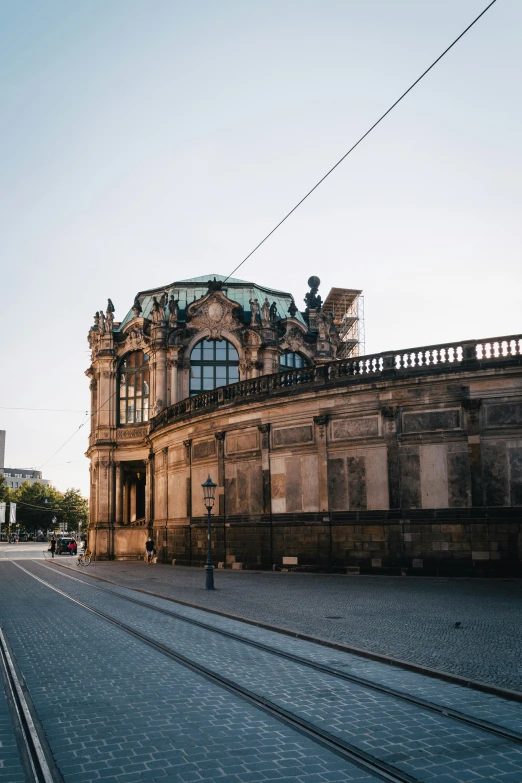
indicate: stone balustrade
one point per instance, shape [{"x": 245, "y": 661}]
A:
[{"x": 445, "y": 357}]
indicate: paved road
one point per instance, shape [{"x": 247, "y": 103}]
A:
[
  {"x": 140, "y": 716},
  {"x": 408, "y": 618}
]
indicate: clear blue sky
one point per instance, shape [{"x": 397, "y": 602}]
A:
[{"x": 147, "y": 141}]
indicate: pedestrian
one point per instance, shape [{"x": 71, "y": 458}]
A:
[
  {"x": 53, "y": 546},
  {"x": 72, "y": 547},
  {"x": 149, "y": 548}
]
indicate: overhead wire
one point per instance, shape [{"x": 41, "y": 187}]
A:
[
  {"x": 381, "y": 118},
  {"x": 332, "y": 169}
]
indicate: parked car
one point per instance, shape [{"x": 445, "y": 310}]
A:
[{"x": 62, "y": 546}]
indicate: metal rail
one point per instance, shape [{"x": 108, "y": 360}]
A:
[
  {"x": 448, "y": 712},
  {"x": 36, "y": 761}
]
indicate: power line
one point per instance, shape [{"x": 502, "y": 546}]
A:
[
  {"x": 404, "y": 94},
  {"x": 130, "y": 375}
]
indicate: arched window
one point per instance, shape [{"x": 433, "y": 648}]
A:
[
  {"x": 134, "y": 388},
  {"x": 291, "y": 361},
  {"x": 212, "y": 364}
]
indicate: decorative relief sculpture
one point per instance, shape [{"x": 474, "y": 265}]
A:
[
  {"x": 136, "y": 308},
  {"x": 214, "y": 313},
  {"x": 158, "y": 309},
  {"x": 265, "y": 313},
  {"x": 312, "y": 299}
]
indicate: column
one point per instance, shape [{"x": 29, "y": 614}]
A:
[
  {"x": 264, "y": 429},
  {"x": 149, "y": 490},
  {"x": 472, "y": 408},
  {"x": 119, "y": 495},
  {"x": 321, "y": 423},
  {"x": 389, "y": 426},
  {"x": 132, "y": 503}
]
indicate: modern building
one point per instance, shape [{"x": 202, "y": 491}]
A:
[
  {"x": 15, "y": 477},
  {"x": 323, "y": 458}
]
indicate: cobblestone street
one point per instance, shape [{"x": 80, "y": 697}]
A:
[
  {"x": 408, "y": 618},
  {"x": 129, "y": 688}
]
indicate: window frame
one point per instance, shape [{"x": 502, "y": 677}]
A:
[
  {"x": 128, "y": 403},
  {"x": 214, "y": 355},
  {"x": 287, "y": 367}
]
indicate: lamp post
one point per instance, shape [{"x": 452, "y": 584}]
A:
[{"x": 209, "y": 489}]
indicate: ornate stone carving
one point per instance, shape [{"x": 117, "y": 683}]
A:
[
  {"x": 158, "y": 309},
  {"x": 136, "y": 340},
  {"x": 264, "y": 429},
  {"x": 472, "y": 408},
  {"x": 214, "y": 313},
  {"x": 294, "y": 338},
  {"x": 220, "y": 436},
  {"x": 128, "y": 434},
  {"x": 389, "y": 414},
  {"x": 321, "y": 422},
  {"x": 136, "y": 308}
]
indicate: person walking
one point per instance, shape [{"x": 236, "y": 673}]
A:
[
  {"x": 149, "y": 549},
  {"x": 53, "y": 546}
]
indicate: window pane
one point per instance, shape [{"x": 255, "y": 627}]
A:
[
  {"x": 139, "y": 382},
  {"x": 130, "y": 412},
  {"x": 130, "y": 387},
  {"x": 122, "y": 412},
  {"x": 123, "y": 381},
  {"x": 298, "y": 360},
  {"x": 195, "y": 373},
  {"x": 145, "y": 415},
  {"x": 208, "y": 350},
  {"x": 195, "y": 356},
  {"x": 208, "y": 371},
  {"x": 145, "y": 409},
  {"x": 233, "y": 374},
  {"x": 208, "y": 383},
  {"x": 221, "y": 351},
  {"x": 233, "y": 355},
  {"x": 221, "y": 376},
  {"x": 138, "y": 415}
]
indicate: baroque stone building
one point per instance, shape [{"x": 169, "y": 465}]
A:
[{"x": 408, "y": 460}]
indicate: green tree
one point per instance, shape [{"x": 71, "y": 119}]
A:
[
  {"x": 74, "y": 510},
  {"x": 32, "y": 510},
  {"x": 4, "y": 489}
]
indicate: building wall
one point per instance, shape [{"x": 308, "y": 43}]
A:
[{"x": 421, "y": 473}]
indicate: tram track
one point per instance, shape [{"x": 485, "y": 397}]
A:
[
  {"x": 37, "y": 768},
  {"x": 425, "y": 704},
  {"x": 345, "y": 750}
]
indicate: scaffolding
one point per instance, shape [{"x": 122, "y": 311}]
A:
[{"x": 347, "y": 308}]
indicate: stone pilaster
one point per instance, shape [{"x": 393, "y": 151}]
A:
[
  {"x": 119, "y": 494},
  {"x": 264, "y": 429},
  {"x": 321, "y": 428},
  {"x": 472, "y": 409},
  {"x": 389, "y": 431}
]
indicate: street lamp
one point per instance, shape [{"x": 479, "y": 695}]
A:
[{"x": 209, "y": 489}]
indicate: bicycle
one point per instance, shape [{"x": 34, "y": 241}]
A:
[{"x": 84, "y": 558}]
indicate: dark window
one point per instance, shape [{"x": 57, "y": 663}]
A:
[
  {"x": 213, "y": 363},
  {"x": 290, "y": 360},
  {"x": 134, "y": 388}
]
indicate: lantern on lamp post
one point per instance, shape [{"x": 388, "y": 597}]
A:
[{"x": 209, "y": 490}]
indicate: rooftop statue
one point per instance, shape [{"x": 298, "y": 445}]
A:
[
  {"x": 136, "y": 307},
  {"x": 312, "y": 299},
  {"x": 254, "y": 309}
]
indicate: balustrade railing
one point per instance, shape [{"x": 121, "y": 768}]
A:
[{"x": 389, "y": 363}]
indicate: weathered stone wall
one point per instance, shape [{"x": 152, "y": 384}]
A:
[
  {"x": 421, "y": 474},
  {"x": 395, "y": 466}
]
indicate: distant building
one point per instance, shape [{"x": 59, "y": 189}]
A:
[
  {"x": 15, "y": 477},
  {"x": 2, "y": 449}
]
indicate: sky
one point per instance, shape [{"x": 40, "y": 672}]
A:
[{"x": 144, "y": 141}]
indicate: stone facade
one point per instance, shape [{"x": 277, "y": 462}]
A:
[{"x": 410, "y": 460}]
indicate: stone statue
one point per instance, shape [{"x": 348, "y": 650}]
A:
[
  {"x": 292, "y": 309},
  {"x": 254, "y": 309},
  {"x": 97, "y": 319},
  {"x": 158, "y": 406},
  {"x": 158, "y": 309},
  {"x": 265, "y": 313},
  {"x": 273, "y": 313},
  {"x": 109, "y": 319},
  {"x": 312, "y": 299},
  {"x": 101, "y": 322},
  {"x": 136, "y": 308},
  {"x": 324, "y": 322},
  {"x": 173, "y": 311}
]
